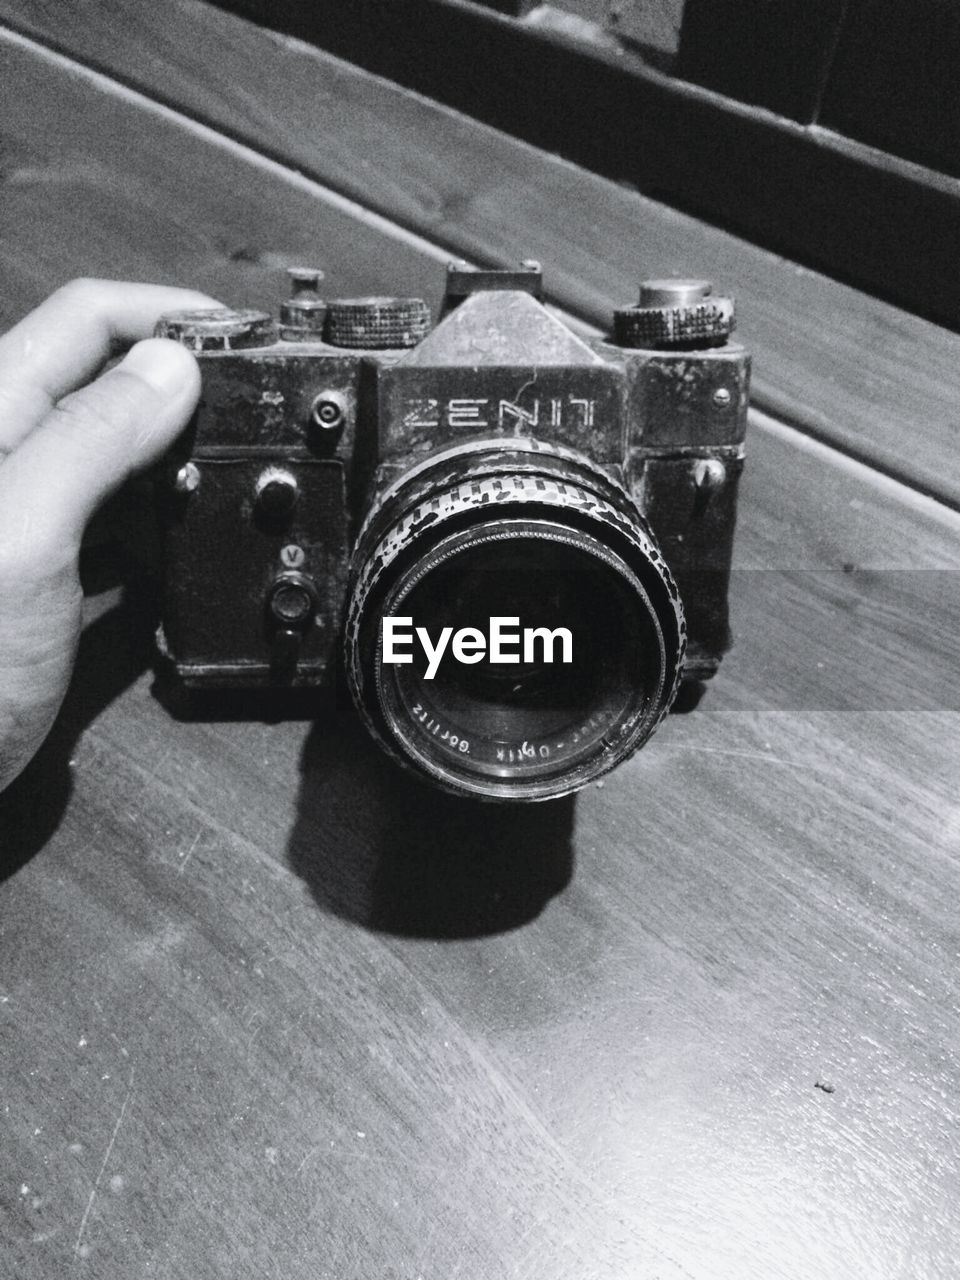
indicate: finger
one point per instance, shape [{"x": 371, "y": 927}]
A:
[
  {"x": 65, "y": 341},
  {"x": 93, "y": 440}
]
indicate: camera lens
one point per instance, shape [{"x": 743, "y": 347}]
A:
[{"x": 585, "y": 658}]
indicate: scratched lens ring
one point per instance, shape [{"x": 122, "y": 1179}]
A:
[
  {"x": 401, "y": 532},
  {"x": 371, "y": 561},
  {"x": 501, "y": 491}
]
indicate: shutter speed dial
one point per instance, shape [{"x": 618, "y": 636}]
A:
[
  {"x": 674, "y": 314},
  {"x": 377, "y": 324}
]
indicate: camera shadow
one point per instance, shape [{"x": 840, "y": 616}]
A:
[
  {"x": 374, "y": 845},
  {"x": 379, "y": 848}
]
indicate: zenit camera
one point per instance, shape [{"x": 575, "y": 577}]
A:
[{"x": 357, "y": 486}]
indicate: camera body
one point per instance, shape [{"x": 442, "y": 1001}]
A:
[{"x": 322, "y": 446}]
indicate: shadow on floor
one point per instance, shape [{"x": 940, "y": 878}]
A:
[
  {"x": 386, "y": 851},
  {"x": 373, "y": 844}
]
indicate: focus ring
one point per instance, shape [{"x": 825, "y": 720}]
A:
[{"x": 506, "y": 496}]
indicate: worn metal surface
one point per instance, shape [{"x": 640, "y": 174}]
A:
[{"x": 258, "y": 558}]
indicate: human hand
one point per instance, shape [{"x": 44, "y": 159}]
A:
[{"x": 62, "y": 451}]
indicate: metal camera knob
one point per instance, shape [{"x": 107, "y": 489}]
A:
[
  {"x": 218, "y": 329},
  {"x": 675, "y": 313},
  {"x": 303, "y": 313},
  {"x": 276, "y": 494},
  {"x": 376, "y": 324},
  {"x": 292, "y": 601}
]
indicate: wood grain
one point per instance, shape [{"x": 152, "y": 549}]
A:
[
  {"x": 824, "y": 200},
  {"x": 877, "y": 382},
  {"x": 267, "y": 1009}
]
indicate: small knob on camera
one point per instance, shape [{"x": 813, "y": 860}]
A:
[
  {"x": 303, "y": 313},
  {"x": 218, "y": 329},
  {"x": 291, "y": 607},
  {"x": 708, "y": 474},
  {"x": 292, "y": 601},
  {"x": 187, "y": 478},
  {"x": 304, "y": 280},
  {"x": 276, "y": 494},
  {"x": 376, "y": 324},
  {"x": 674, "y": 293},
  {"x": 674, "y": 313},
  {"x": 329, "y": 412}
]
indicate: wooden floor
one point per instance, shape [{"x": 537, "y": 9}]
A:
[{"x": 267, "y": 1009}]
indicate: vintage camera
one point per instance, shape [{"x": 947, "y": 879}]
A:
[{"x": 351, "y": 465}]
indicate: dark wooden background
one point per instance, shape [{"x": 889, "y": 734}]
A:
[
  {"x": 783, "y": 121},
  {"x": 269, "y": 1010},
  {"x": 874, "y": 71}
]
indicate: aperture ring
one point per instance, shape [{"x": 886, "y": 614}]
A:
[
  {"x": 484, "y": 497},
  {"x": 522, "y": 454},
  {"x": 495, "y": 491}
]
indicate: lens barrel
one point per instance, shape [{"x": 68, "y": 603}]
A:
[{"x": 514, "y": 529}]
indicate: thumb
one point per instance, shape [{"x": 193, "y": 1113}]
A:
[{"x": 98, "y": 436}]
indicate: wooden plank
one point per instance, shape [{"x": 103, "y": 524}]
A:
[
  {"x": 268, "y": 1008},
  {"x": 515, "y": 8},
  {"x": 893, "y": 83},
  {"x": 879, "y": 383},
  {"x": 526, "y": 1102},
  {"x": 799, "y": 190},
  {"x": 773, "y": 53},
  {"x": 184, "y": 234}
]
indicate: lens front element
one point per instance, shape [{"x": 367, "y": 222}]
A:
[{"x": 585, "y": 658}]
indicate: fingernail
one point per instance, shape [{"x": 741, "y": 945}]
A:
[{"x": 162, "y": 364}]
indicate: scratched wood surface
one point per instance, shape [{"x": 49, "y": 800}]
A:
[
  {"x": 269, "y": 1010},
  {"x": 881, "y": 384}
]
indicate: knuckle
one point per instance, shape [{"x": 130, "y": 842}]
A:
[{"x": 82, "y": 291}]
